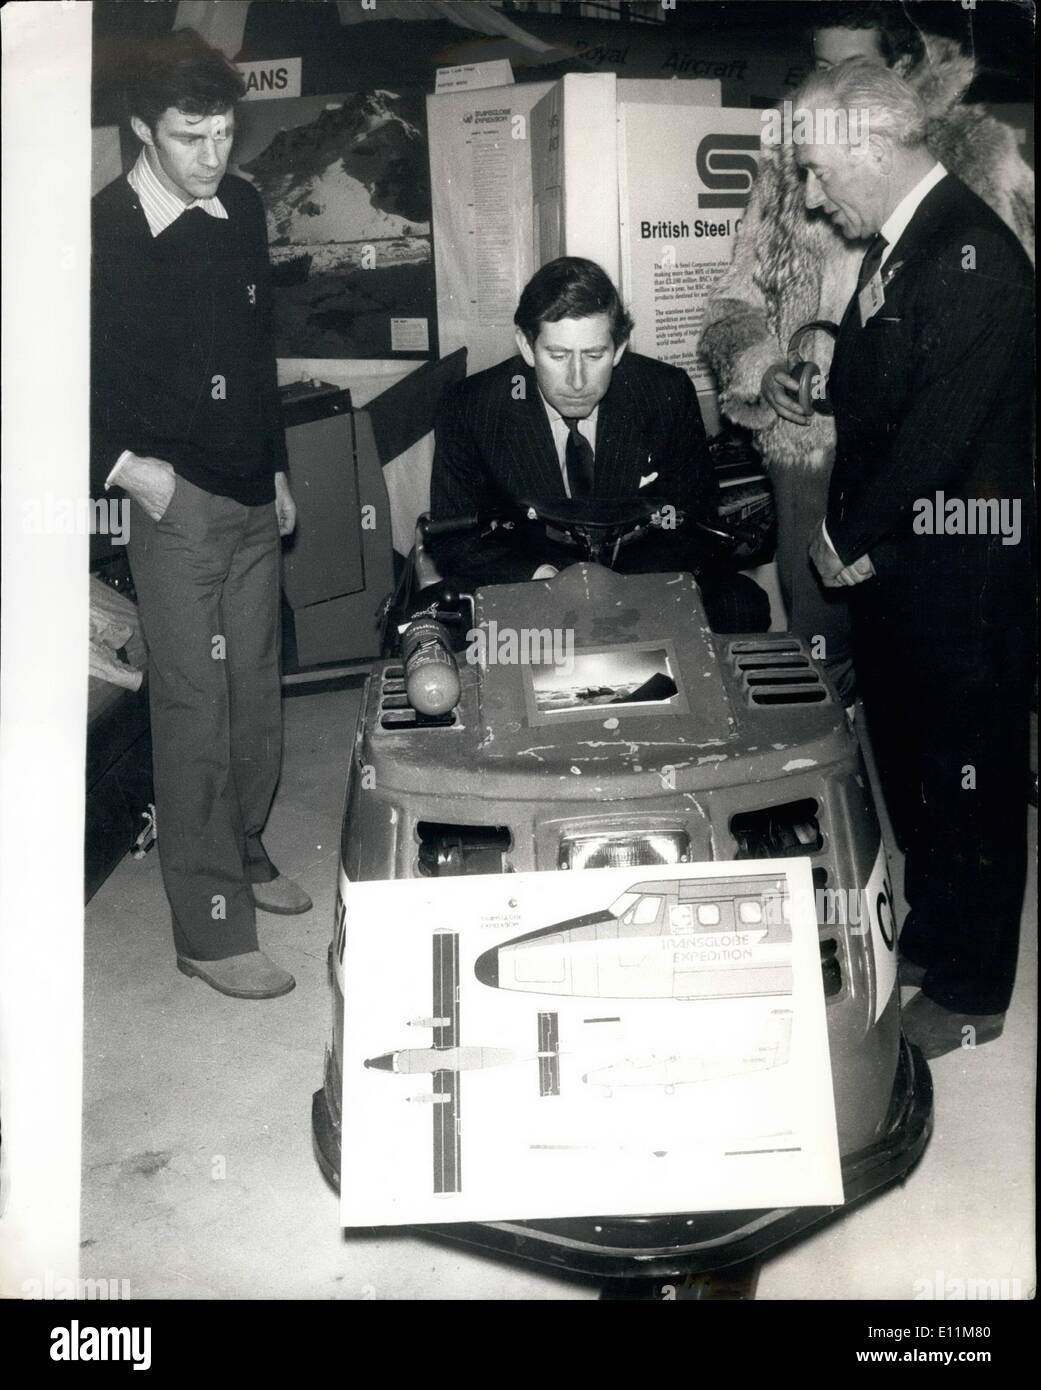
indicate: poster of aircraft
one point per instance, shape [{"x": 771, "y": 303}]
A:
[
  {"x": 540, "y": 1045},
  {"x": 446, "y": 1059},
  {"x": 772, "y": 1049}
]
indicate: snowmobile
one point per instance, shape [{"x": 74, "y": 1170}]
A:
[{"x": 738, "y": 748}]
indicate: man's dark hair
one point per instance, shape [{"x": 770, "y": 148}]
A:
[
  {"x": 184, "y": 72},
  {"x": 898, "y": 35},
  {"x": 570, "y": 288}
]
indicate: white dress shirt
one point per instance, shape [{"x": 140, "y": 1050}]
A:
[{"x": 897, "y": 222}]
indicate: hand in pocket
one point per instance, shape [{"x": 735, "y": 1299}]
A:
[{"x": 150, "y": 482}]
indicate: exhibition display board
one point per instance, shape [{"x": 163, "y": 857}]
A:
[
  {"x": 481, "y": 190},
  {"x": 648, "y": 178},
  {"x": 685, "y": 174}
]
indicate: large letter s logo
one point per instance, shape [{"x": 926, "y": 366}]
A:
[{"x": 718, "y": 153}]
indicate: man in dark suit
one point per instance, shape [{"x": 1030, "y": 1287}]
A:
[
  {"x": 577, "y": 415},
  {"x": 928, "y": 527}
]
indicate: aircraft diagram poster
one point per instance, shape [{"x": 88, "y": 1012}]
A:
[{"x": 611, "y": 1041}]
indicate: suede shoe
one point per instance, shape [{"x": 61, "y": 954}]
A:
[
  {"x": 282, "y": 896},
  {"x": 937, "y": 1030},
  {"x": 249, "y": 976}
]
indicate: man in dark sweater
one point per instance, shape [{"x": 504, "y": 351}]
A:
[{"x": 185, "y": 419}]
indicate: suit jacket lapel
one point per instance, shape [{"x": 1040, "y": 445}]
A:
[
  {"x": 932, "y": 212},
  {"x": 532, "y": 441},
  {"x": 617, "y": 440},
  {"x": 851, "y": 316}
]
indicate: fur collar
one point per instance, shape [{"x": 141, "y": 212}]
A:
[
  {"x": 943, "y": 76},
  {"x": 971, "y": 144},
  {"x": 787, "y": 263}
]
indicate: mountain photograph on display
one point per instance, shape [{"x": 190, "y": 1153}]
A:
[
  {"x": 618, "y": 676},
  {"x": 346, "y": 187}
]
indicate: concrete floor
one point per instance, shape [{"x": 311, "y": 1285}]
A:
[{"x": 199, "y": 1179}]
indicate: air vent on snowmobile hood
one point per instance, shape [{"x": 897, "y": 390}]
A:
[{"x": 777, "y": 672}]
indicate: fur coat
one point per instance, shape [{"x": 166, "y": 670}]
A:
[{"x": 789, "y": 267}]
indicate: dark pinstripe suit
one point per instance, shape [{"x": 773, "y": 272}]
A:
[
  {"x": 494, "y": 440},
  {"x": 934, "y": 394},
  {"x": 494, "y": 444}
]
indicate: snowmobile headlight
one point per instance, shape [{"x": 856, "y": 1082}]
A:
[{"x": 623, "y": 849}]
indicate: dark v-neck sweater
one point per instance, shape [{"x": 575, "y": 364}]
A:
[{"x": 182, "y": 365}]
